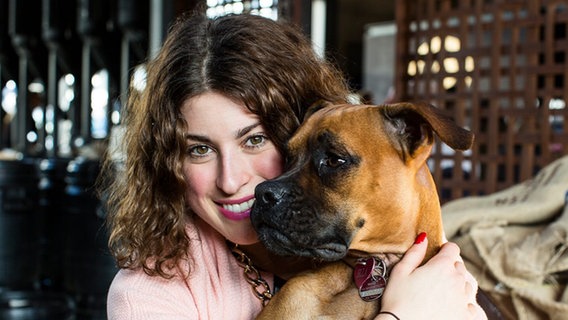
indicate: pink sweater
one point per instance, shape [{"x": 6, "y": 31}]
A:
[{"x": 215, "y": 289}]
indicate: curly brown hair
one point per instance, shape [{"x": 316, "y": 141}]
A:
[{"x": 269, "y": 66}]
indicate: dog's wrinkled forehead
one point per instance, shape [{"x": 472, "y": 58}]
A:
[
  {"x": 328, "y": 119},
  {"x": 332, "y": 111}
]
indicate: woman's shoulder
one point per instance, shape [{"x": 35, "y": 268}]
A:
[
  {"x": 133, "y": 294},
  {"x": 127, "y": 279}
]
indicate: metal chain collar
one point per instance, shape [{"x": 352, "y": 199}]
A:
[{"x": 260, "y": 287}]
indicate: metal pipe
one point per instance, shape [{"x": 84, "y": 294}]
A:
[
  {"x": 156, "y": 27},
  {"x": 51, "y": 103},
  {"x": 86, "y": 91},
  {"x": 1, "y": 111},
  {"x": 318, "y": 26},
  {"x": 19, "y": 126},
  {"x": 124, "y": 69}
]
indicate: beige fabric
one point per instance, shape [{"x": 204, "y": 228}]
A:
[{"x": 515, "y": 242}]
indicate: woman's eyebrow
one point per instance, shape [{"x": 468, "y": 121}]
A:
[
  {"x": 239, "y": 134},
  {"x": 242, "y": 132},
  {"x": 197, "y": 137}
]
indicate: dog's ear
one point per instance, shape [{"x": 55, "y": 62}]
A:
[
  {"x": 314, "y": 107},
  {"x": 413, "y": 126}
]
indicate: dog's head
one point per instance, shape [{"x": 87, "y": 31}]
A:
[{"x": 357, "y": 180}]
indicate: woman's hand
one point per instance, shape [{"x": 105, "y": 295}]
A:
[{"x": 440, "y": 289}]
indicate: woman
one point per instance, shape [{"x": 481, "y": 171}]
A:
[{"x": 222, "y": 98}]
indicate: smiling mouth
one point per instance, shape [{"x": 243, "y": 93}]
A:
[{"x": 239, "y": 207}]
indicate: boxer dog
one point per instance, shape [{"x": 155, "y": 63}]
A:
[{"x": 356, "y": 192}]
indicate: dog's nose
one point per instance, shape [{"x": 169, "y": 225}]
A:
[{"x": 269, "y": 193}]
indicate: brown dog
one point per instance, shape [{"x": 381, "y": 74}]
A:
[{"x": 357, "y": 186}]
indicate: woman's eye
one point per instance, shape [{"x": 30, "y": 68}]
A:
[
  {"x": 199, "y": 151},
  {"x": 256, "y": 141}
]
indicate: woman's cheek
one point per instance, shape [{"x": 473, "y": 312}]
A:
[
  {"x": 271, "y": 166},
  {"x": 196, "y": 180}
]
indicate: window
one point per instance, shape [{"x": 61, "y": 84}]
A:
[{"x": 265, "y": 8}]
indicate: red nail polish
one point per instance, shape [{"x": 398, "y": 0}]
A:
[{"x": 420, "y": 238}]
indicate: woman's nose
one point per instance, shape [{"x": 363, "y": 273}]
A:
[{"x": 233, "y": 173}]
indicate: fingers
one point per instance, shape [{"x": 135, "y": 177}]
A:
[
  {"x": 470, "y": 287},
  {"x": 477, "y": 312},
  {"x": 470, "y": 282},
  {"x": 442, "y": 288},
  {"x": 449, "y": 250},
  {"x": 460, "y": 268},
  {"x": 470, "y": 292},
  {"x": 443, "y": 278},
  {"x": 471, "y": 279},
  {"x": 414, "y": 256}
]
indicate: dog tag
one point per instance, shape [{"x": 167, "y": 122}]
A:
[
  {"x": 363, "y": 271},
  {"x": 373, "y": 288}
]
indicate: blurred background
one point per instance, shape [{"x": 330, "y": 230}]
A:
[{"x": 66, "y": 67}]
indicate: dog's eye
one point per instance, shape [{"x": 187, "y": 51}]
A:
[{"x": 332, "y": 161}]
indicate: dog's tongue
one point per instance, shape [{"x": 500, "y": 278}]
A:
[{"x": 363, "y": 270}]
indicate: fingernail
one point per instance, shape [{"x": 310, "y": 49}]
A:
[{"x": 420, "y": 238}]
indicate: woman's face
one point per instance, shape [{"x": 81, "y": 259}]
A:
[{"x": 228, "y": 154}]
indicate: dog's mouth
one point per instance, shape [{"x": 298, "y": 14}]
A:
[
  {"x": 289, "y": 224},
  {"x": 329, "y": 249}
]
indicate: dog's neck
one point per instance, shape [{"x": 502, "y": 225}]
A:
[
  {"x": 283, "y": 266},
  {"x": 390, "y": 259},
  {"x": 371, "y": 272}
]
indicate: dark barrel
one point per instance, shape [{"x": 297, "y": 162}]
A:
[
  {"x": 30, "y": 305},
  {"x": 89, "y": 267},
  {"x": 19, "y": 225},
  {"x": 52, "y": 203}
]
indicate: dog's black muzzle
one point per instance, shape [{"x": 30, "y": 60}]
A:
[{"x": 290, "y": 221}]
